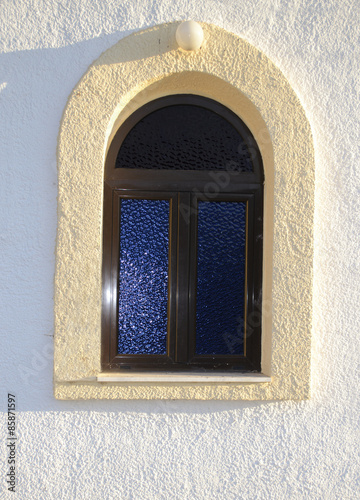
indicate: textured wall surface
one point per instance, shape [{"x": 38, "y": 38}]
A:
[{"x": 184, "y": 449}]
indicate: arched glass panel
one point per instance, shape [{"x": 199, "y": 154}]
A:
[{"x": 185, "y": 137}]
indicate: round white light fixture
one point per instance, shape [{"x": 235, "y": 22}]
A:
[{"x": 189, "y": 35}]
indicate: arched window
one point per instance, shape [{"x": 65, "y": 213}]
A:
[{"x": 182, "y": 247}]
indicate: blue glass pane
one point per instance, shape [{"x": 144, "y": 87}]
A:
[
  {"x": 221, "y": 278},
  {"x": 143, "y": 280}
]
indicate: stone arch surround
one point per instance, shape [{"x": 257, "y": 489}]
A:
[{"x": 138, "y": 69}]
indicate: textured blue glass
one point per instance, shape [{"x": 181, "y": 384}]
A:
[
  {"x": 143, "y": 277},
  {"x": 220, "y": 294}
]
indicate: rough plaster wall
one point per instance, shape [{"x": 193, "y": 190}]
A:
[{"x": 145, "y": 450}]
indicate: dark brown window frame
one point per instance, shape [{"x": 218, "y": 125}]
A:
[{"x": 181, "y": 187}]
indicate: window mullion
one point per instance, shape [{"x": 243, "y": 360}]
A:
[
  {"x": 183, "y": 275},
  {"x": 192, "y": 274}
]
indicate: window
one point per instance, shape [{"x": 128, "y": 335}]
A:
[{"x": 182, "y": 248}]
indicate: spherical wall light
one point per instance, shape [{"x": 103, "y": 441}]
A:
[{"x": 189, "y": 35}]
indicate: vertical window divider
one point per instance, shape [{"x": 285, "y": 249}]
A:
[
  {"x": 193, "y": 275},
  {"x": 173, "y": 257},
  {"x": 183, "y": 277}
]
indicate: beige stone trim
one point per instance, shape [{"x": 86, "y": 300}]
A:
[
  {"x": 183, "y": 377},
  {"x": 138, "y": 69}
]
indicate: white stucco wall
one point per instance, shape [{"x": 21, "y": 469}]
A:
[{"x": 178, "y": 449}]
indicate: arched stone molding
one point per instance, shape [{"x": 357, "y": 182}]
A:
[{"x": 138, "y": 69}]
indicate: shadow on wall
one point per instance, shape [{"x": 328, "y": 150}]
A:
[
  {"x": 143, "y": 45},
  {"x": 34, "y": 88}
]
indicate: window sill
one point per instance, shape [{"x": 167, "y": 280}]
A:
[{"x": 184, "y": 377}]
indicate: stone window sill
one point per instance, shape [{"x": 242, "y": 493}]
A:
[{"x": 184, "y": 377}]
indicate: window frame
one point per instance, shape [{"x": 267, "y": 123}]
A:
[{"x": 181, "y": 186}]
